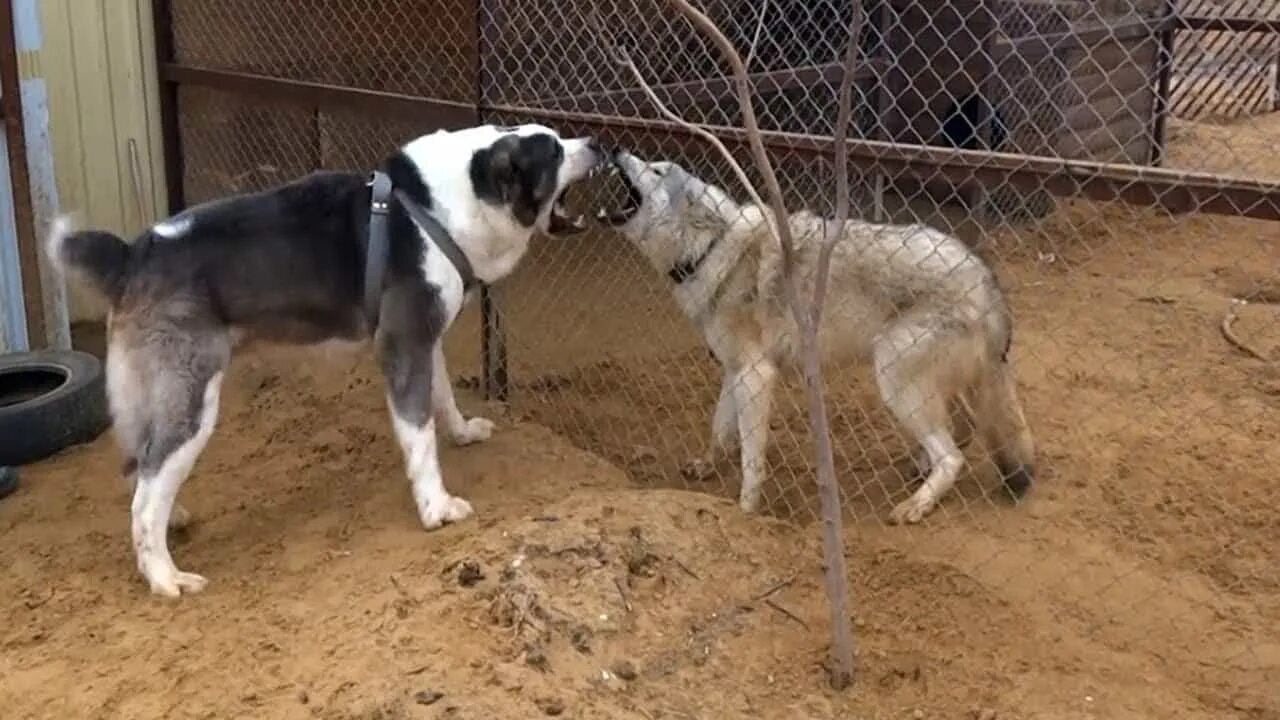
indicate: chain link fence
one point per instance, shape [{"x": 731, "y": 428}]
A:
[{"x": 1058, "y": 139}]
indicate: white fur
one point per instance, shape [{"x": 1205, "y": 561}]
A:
[
  {"x": 435, "y": 505},
  {"x": 59, "y": 229},
  {"x": 173, "y": 228}
]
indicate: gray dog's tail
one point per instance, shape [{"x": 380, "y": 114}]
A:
[
  {"x": 100, "y": 258},
  {"x": 999, "y": 411}
]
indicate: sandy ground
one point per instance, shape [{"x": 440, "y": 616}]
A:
[{"x": 1139, "y": 580}]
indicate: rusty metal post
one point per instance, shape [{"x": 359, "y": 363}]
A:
[
  {"x": 1164, "y": 73},
  {"x": 24, "y": 212},
  {"x": 171, "y": 141},
  {"x": 493, "y": 340}
]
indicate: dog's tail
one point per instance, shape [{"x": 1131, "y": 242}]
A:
[
  {"x": 100, "y": 259},
  {"x": 999, "y": 411}
]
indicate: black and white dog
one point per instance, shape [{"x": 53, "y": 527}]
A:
[{"x": 289, "y": 265}]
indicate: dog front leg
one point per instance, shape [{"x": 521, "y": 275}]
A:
[
  {"x": 724, "y": 434},
  {"x": 406, "y": 343},
  {"x": 753, "y": 389},
  {"x": 460, "y": 429}
]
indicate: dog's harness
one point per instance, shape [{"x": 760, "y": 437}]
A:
[
  {"x": 686, "y": 269},
  {"x": 378, "y": 251}
]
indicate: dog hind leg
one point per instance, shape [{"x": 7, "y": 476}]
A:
[
  {"x": 179, "y": 411},
  {"x": 905, "y": 362},
  {"x": 963, "y": 428},
  {"x": 179, "y": 518}
]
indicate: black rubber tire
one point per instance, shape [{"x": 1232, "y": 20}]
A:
[
  {"x": 8, "y": 481},
  {"x": 49, "y": 401}
]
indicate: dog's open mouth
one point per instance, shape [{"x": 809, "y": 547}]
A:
[
  {"x": 627, "y": 206},
  {"x": 564, "y": 221}
]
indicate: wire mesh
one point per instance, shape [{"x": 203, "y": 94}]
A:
[{"x": 1146, "y": 419}]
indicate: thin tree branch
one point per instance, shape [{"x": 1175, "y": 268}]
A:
[
  {"x": 833, "y": 544},
  {"x": 840, "y": 152},
  {"x": 1229, "y": 332},
  {"x": 781, "y": 229},
  {"x": 776, "y": 217},
  {"x": 623, "y": 58},
  {"x": 755, "y": 39}
]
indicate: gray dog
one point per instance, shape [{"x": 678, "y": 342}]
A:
[{"x": 915, "y": 303}]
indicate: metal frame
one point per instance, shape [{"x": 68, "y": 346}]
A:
[
  {"x": 1164, "y": 72},
  {"x": 24, "y": 212},
  {"x": 1245, "y": 26}
]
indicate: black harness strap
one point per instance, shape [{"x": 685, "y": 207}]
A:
[
  {"x": 686, "y": 269},
  {"x": 441, "y": 238},
  {"x": 378, "y": 251},
  {"x": 378, "y": 248}
]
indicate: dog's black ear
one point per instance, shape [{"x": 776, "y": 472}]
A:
[
  {"x": 496, "y": 173},
  {"x": 517, "y": 171}
]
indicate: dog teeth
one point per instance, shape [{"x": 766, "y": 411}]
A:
[
  {"x": 602, "y": 214},
  {"x": 580, "y": 222}
]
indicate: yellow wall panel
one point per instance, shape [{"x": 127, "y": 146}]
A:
[{"x": 98, "y": 63}]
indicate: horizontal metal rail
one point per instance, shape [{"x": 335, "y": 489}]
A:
[
  {"x": 1174, "y": 190},
  {"x": 1228, "y": 24},
  {"x": 717, "y": 88}
]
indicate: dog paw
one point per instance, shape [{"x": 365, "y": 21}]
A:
[
  {"x": 475, "y": 430},
  {"x": 174, "y": 584},
  {"x": 180, "y": 518},
  {"x": 698, "y": 470},
  {"x": 448, "y": 509},
  {"x": 911, "y": 511}
]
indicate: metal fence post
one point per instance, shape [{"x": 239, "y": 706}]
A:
[
  {"x": 171, "y": 141},
  {"x": 493, "y": 349},
  {"x": 493, "y": 338},
  {"x": 23, "y": 211},
  {"x": 1164, "y": 72}
]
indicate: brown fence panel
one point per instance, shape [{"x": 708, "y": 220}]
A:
[{"x": 1226, "y": 59}]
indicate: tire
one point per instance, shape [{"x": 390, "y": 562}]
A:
[
  {"x": 48, "y": 401},
  {"x": 8, "y": 481}
]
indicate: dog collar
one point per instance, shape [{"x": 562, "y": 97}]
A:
[
  {"x": 375, "y": 264},
  {"x": 686, "y": 269}
]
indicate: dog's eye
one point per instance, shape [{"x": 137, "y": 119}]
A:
[{"x": 660, "y": 172}]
